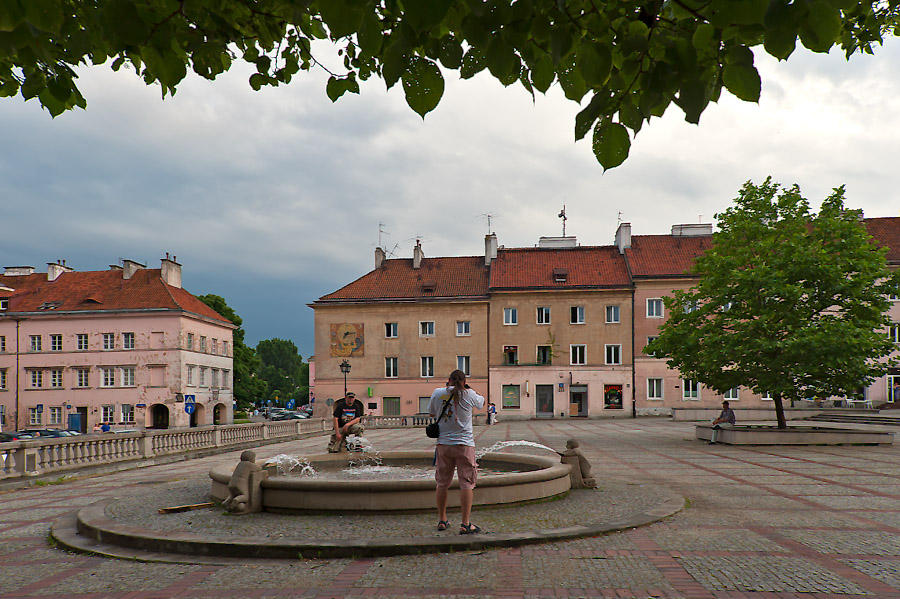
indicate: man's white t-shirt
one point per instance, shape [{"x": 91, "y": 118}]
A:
[{"x": 456, "y": 425}]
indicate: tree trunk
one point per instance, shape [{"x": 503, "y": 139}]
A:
[{"x": 779, "y": 411}]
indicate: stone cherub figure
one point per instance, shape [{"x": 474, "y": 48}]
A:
[
  {"x": 581, "y": 469},
  {"x": 243, "y": 487}
]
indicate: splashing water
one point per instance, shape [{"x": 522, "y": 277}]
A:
[
  {"x": 504, "y": 444},
  {"x": 292, "y": 464},
  {"x": 362, "y": 452}
]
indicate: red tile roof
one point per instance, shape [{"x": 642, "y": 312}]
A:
[
  {"x": 533, "y": 268},
  {"x": 886, "y": 231},
  {"x": 457, "y": 276},
  {"x": 664, "y": 255},
  {"x": 83, "y": 291}
]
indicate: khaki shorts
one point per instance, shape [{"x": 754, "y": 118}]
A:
[{"x": 455, "y": 457}]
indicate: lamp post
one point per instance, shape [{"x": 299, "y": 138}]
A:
[{"x": 345, "y": 368}]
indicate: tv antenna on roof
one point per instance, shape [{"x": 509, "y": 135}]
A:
[
  {"x": 562, "y": 215},
  {"x": 381, "y": 232},
  {"x": 619, "y": 218}
]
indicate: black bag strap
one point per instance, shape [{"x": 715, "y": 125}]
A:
[{"x": 444, "y": 409}]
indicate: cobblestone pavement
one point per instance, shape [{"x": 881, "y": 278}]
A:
[{"x": 763, "y": 522}]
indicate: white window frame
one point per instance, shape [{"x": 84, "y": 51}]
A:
[
  {"x": 127, "y": 411},
  {"x": 225, "y": 381},
  {"x": 510, "y": 316},
  {"x": 107, "y": 376},
  {"x": 189, "y": 341},
  {"x": 203, "y": 343},
  {"x": 127, "y": 376},
  {"x": 56, "y": 378},
  {"x": 616, "y": 314},
  {"x": 2, "y": 343},
  {"x": 464, "y": 363},
  {"x": 109, "y": 341},
  {"x": 127, "y": 340},
  {"x": 56, "y": 342},
  {"x": 108, "y": 413},
  {"x": 767, "y": 396},
  {"x": 684, "y": 390},
  {"x": 506, "y": 361},
  {"x": 463, "y": 328},
  {"x": 655, "y": 382},
  {"x": 213, "y": 378},
  {"x": 426, "y": 328},
  {"x": 224, "y": 347},
  {"x": 34, "y": 417},
  {"x": 662, "y": 307},
  {"x": 55, "y": 415},
  {"x": 3, "y": 379},
  {"x": 83, "y": 378},
  {"x": 543, "y": 315},
  {"x": 572, "y": 356},
  {"x": 37, "y": 378},
  {"x": 4, "y": 303},
  {"x": 36, "y": 343},
  {"x": 391, "y": 367},
  {"x": 214, "y": 346},
  {"x": 733, "y": 394},
  {"x": 894, "y": 332},
  {"x": 426, "y": 367},
  {"x": 537, "y": 355},
  {"x": 82, "y": 341},
  {"x": 617, "y": 348},
  {"x": 190, "y": 374},
  {"x": 202, "y": 381},
  {"x": 578, "y": 317},
  {"x": 391, "y": 330}
]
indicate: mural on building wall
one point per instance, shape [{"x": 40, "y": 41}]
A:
[
  {"x": 347, "y": 340},
  {"x": 612, "y": 397}
]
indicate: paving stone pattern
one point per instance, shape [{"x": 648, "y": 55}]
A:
[{"x": 765, "y": 522}]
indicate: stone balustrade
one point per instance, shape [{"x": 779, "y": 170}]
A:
[{"x": 415, "y": 420}]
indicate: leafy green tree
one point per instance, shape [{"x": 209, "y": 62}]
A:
[
  {"x": 248, "y": 388},
  {"x": 631, "y": 58},
  {"x": 788, "y": 302},
  {"x": 283, "y": 368}
]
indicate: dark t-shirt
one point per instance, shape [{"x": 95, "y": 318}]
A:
[
  {"x": 345, "y": 413},
  {"x": 727, "y": 415}
]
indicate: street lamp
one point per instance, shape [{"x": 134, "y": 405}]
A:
[{"x": 345, "y": 368}]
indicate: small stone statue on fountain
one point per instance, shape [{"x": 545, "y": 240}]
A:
[
  {"x": 580, "y": 472},
  {"x": 244, "y": 492}
]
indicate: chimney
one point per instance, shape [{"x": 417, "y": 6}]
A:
[
  {"x": 418, "y": 254},
  {"x": 129, "y": 267},
  {"x": 54, "y": 269},
  {"x": 170, "y": 271},
  {"x": 692, "y": 230},
  {"x": 623, "y": 237},
  {"x": 379, "y": 257},
  {"x": 18, "y": 271},
  {"x": 490, "y": 248}
]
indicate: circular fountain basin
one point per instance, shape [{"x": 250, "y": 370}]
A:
[{"x": 513, "y": 478}]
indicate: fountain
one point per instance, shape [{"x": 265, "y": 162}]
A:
[{"x": 368, "y": 480}]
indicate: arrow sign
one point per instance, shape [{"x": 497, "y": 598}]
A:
[
  {"x": 291, "y": 403},
  {"x": 189, "y": 407}
]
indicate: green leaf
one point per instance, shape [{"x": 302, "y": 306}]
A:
[
  {"x": 123, "y": 24},
  {"x": 780, "y": 43},
  {"x": 46, "y": 15},
  {"x": 742, "y": 81},
  {"x": 542, "y": 73},
  {"x": 560, "y": 43},
  {"x": 630, "y": 116},
  {"x": 704, "y": 40},
  {"x": 611, "y": 144},
  {"x": 342, "y": 16},
  {"x": 594, "y": 61},
  {"x": 571, "y": 81},
  {"x": 822, "y": 26},
  {"x": 257, "y": 81},
  {"x": 692, "y": 99},
  {"x": 472, "y": 64},
  {"x": 423, "y": 85},
  {"x": 423, "y": 15},
  {"x": 393, "y": 64},
  {"x": 10, "y": 16},
  {"x": 584, "y": 120},
  {"x": 737, "y": 12},
  {"x": 451, "y": 52},
  {"x": 502, "y": 62},
  {"x": 370, "y": 36}
]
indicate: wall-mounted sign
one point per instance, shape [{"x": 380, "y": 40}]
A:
[
  {"x": 140, "y": 405},
  {"x": 612, "y": 397}
]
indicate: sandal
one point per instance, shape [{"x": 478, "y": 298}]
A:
[
  {"x": 443, "y": 524},
  {"x": 469, "y": 529}
]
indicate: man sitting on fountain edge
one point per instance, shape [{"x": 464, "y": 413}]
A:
[{"x": 348, "y": 412}]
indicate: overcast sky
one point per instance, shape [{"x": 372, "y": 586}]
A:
[{"x": 273, "y": 198}]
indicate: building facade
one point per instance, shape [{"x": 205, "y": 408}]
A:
[
  {"x": 128, "y": 347},
  {"x": 553, "y": 331}
]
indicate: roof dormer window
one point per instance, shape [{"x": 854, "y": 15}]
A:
[
  {"x": 560, "y": 275},
  {"x": 49, "y": 306},
  {"x": 428, "y": 287},
  {"x": 4, "y": 303}
]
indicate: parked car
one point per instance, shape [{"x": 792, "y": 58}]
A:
[
  {"x": 15, "y": 436},
  {"x": 53, "y": 433}
]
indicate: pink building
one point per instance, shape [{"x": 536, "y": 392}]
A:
[{"x": 127, "y": 347}]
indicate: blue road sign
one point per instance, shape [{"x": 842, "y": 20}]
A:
[
  {"x": 189, "y": 407},
  {"x": 269, "y": 403},
  {"x": 190, "y": 399},
  {"x": 39, "y": 408},
  {"x": 291, "y": 403}
]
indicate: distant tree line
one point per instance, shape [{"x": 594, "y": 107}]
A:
[{"x": 273, "y": 370}]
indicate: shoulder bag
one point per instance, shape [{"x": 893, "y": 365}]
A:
[{"x": 433, "y": 430}]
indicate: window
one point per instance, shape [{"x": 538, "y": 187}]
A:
[
  {"x": 127, "y": 412},
  {"x": 2, "y": 343},
  {"x": 391, "y": 367},
  {"x": 55, "y": 342},
  {"x": 128, "y": 376},
  {"x": 82, "y": 340},
  {"x": 224, "y": 348},
  {"x": 732, "y": 394},
  {"x": 390, "y": 406},
  {"x": 34, "y": 417},
  {"x": 3, "y": 415},
  {"x": 424, "y": 402},
  {"x": 214, "y": 378},
  {"x": 893, "y": 388},
  {"x": 83, "y": 379},
  {"x": 214, "y": 346},
  {"x": 510, "y": 355},
  {"x": 509, "y": 398},
  {"x": 225, "y": 380},
  {"x": 108, "y": 377},
  {"x": 510, "y": 316},
  {"x": 691, "y": 307},
  {"x": 462, "y": 363},
  {"x": 544, "y": 354},
  {"x": 894, "y": 334},
  {"x": 108, "y": 413},
  {"x": 543, "y": 315},
  {"x": 576, "y": 315},
  {"x": 578, "y": 354},
  {"x": 127, "y": 340},
  {"x": 4, "y": 303},
  {"x": 690, "y": 389},
  {"x": 655, "y": 307},
  {"x": 55, "y": 415},
  {"x": 654, "y": 388},
  {"x": 190, "y": 375},
  {"x": 37, "y": 379},
  {"x": 612, "y": 314},
  {"x": 767, "y": 396},
  {"x": 613, "y": 354},
  {"x": 3, "y": 381},
  {"x": 35, "y": 343},
  {"x": 650, "y": 339},
  {"x": 56, "y": 378},
  {"x": 427, "y": 366},
  {"x": 202, "y": 343},
  {"x": 109, "y": 341},
  {"x": 390, "y": 330},
  {"x": 426, "y": 328},
  {"x": 463, "y": 328},
  {"x": 202, "y": 376},
  {"x": 189, "y": 342}
]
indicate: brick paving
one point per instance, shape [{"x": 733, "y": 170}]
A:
[{"x": 763, "y": 522}]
